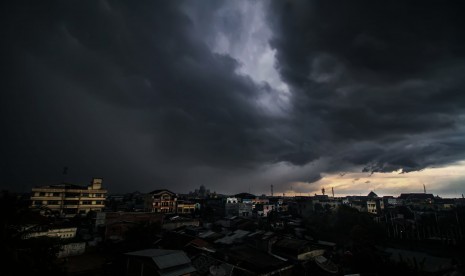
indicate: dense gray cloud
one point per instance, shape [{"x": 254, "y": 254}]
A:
[
  {"x": 130, "y": 92},
  {"x": 383, "y": 79},
  {"x": 177, "y": 94}
]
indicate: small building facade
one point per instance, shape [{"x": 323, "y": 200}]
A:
[{"x": 161, "y": 201}]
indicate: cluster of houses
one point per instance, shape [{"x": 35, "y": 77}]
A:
[
  {"x": 204, "y": 233},
  {"x": 372, "y": 203},
  {"x": 69, "y": 200}
]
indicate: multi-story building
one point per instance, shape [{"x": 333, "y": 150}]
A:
[
  {"x": 70, "y": 200},
  {"x": 232, "y": 206},
  {"x": 161, "y": 201}
]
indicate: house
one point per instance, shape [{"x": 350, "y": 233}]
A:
[
  {"x": 161, "y": 201},
  {"x": 117, "y": 224},
  {"x": 374, "y": 206},
  {"x": 251, "y": 261},
  {"x": 208, "y": 265},
  {"x": 232, "y": 206},
  {"x": 301, "y": 206},
  {"x": 262, "y": 210},
  {"x": 51, "y": 232},
  {"x": 65, "y": 234},
  {"x": 174, "y": 222},
  {"x": 185, "y": 207},
  {"x": 389, "y": 201},
  {"x": 296, "y": 249},
  {"x": 159, "y": 262},
  {"x": 416, "y": 198},
  {"x": 245, "y": 209}
]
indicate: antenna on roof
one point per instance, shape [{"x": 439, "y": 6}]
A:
[
  {"x": 332, "y": 190},
  {"x": 271, "y": 189},
  {"x": 424, "y": 188}
]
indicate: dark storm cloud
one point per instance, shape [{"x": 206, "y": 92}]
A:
[
  {"x": 134, "y": 92},
  {"x": 130, "y": 91},
  {"x": 382, "y": 81}
]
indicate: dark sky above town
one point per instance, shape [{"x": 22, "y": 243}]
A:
[{"x": 234, "y": 95}]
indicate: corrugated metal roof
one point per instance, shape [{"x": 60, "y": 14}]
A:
[
  {"x": 232, "y": 237},
  {"x": 150, "y": 252},
  {"x": 163, "y": 258},
  {"x": 170, "y": 260},
  {"x": 178, "y": 271}
]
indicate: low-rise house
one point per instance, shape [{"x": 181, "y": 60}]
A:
[
  {"x": 53, "y": 232},
  {"x": 179, "y": 221},
  {"x": 250, "y": 261},
  {"x": 185, "y": 207},
  {"x": 229, "y": 221},
  {"x": 72, "y": 249},
  {"x": 419, "y": 198},
  {"x": 262, "y": 240},
  {"x": 390, "y": 201},
  {"x": 444, "y": 203},
  {"x": 233, "y": 237},
  {"x": 159, "y": 262},
  {"x": 301, "y": 206},
  {"x": 118, "y": 223},
  {"x": 208, "y": 265},
  {"x": 374, "y": 206},
  {"x": 296, "y": 249},
  {"x": 161, "y": 201},
  {"x": 262, "y": 210},
  {"x": 232, "y": 206},
  {"x": 66, "y": 234},
  {"x": 245, "y": 209}
]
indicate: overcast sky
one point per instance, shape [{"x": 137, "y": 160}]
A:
[{"x": 235, "y": 95}]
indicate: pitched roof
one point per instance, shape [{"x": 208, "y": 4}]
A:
[
  {"x": 163, "y": 258},
  {"x": 161, "y": 191},
  {"x": 291, "y": 243}
]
